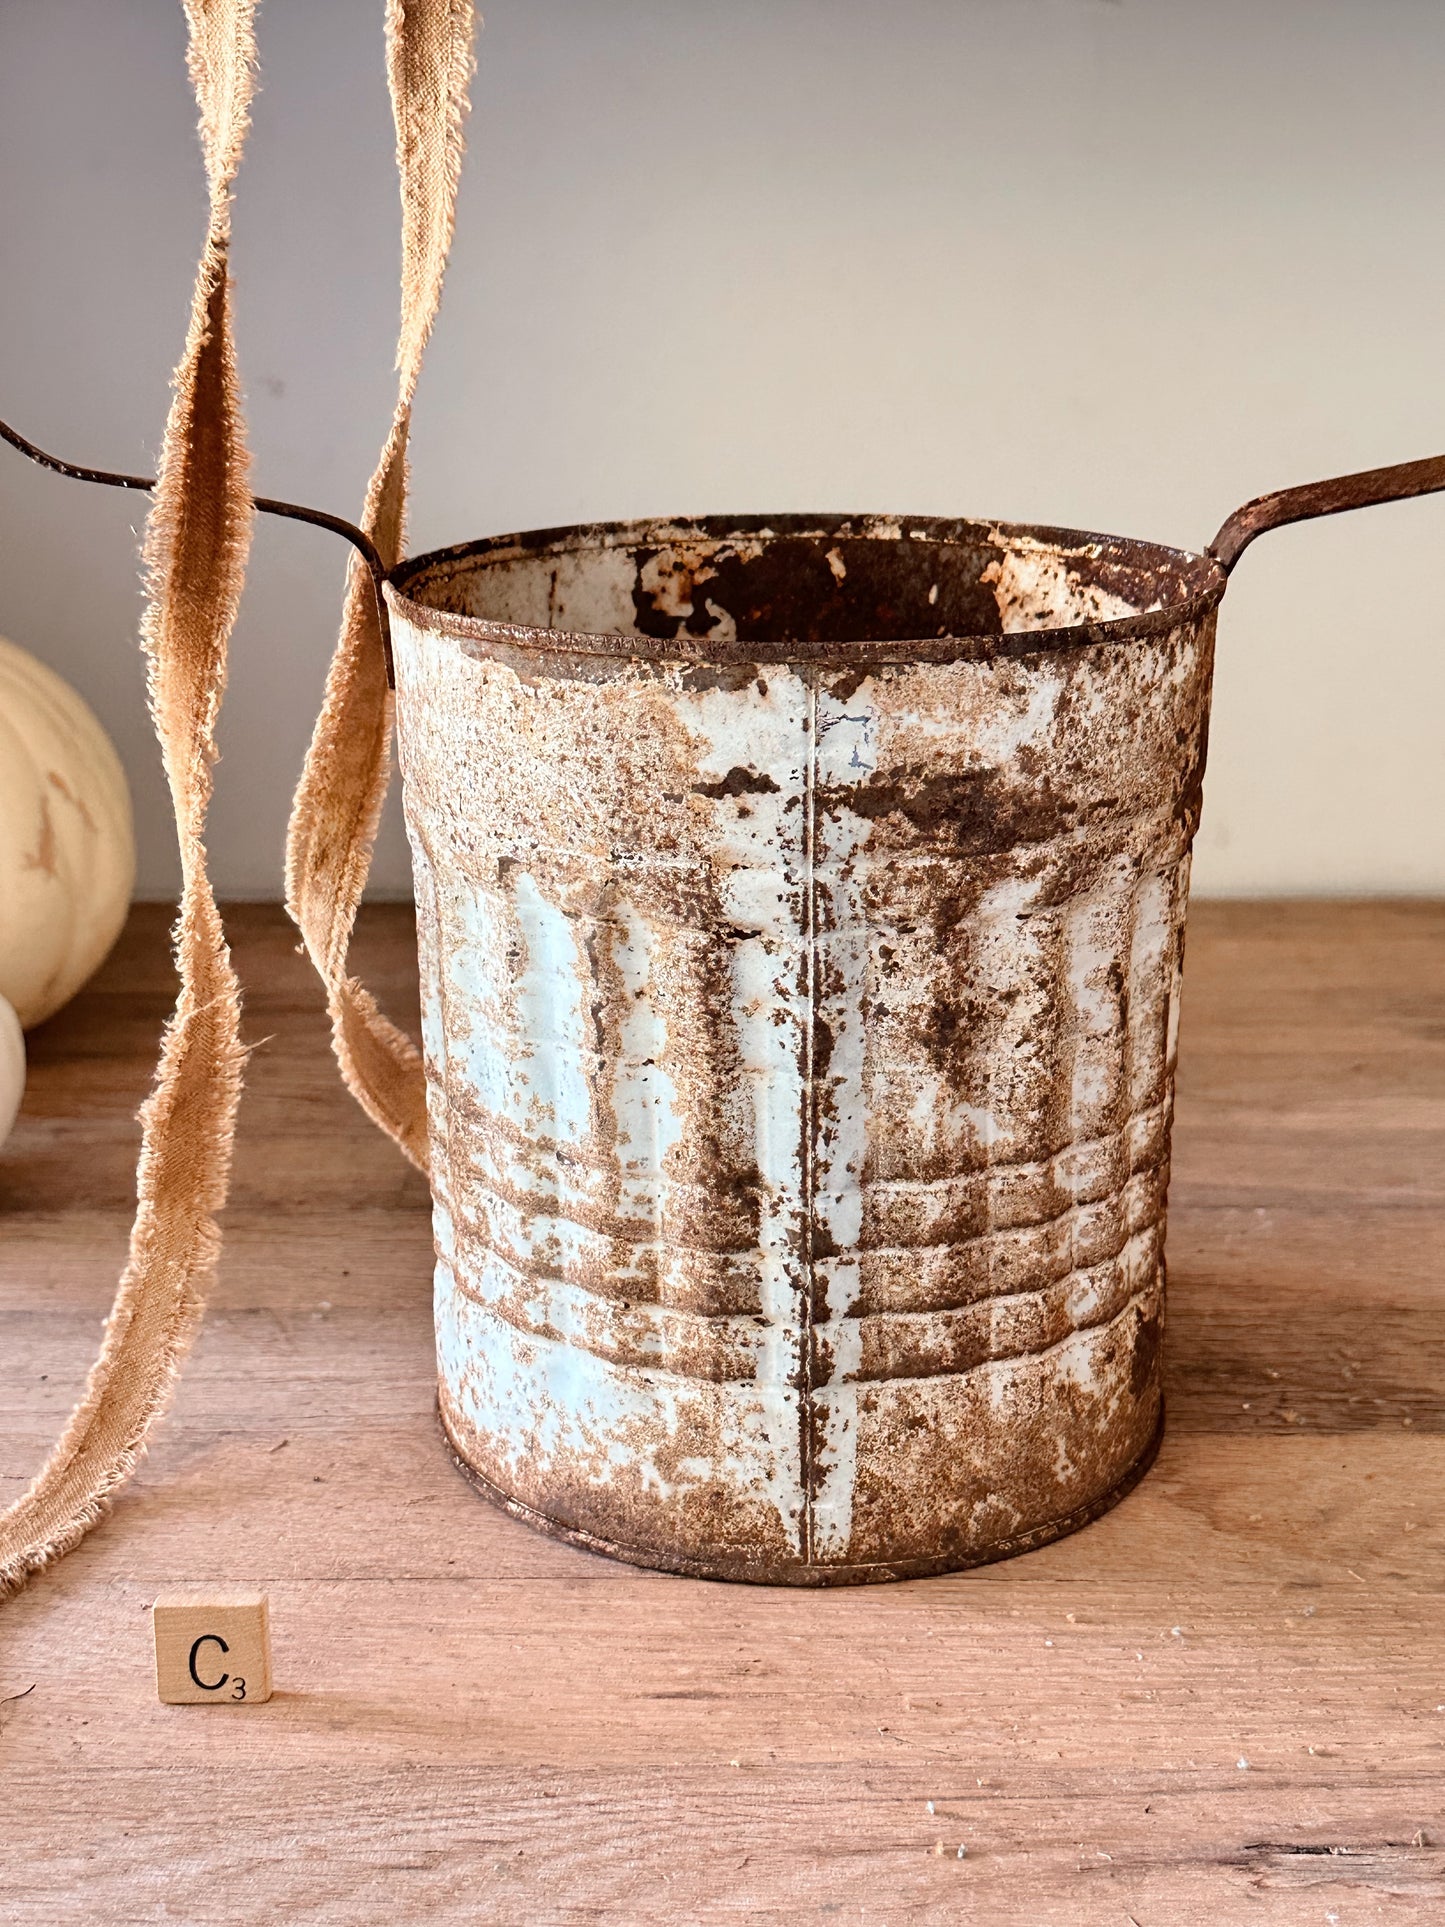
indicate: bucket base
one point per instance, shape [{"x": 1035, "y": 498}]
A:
[{"x": 752, "y": 1573}]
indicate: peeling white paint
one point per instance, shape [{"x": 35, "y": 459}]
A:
[
  {"x": 520, "y": 1039},
  {"x": 551, "y": 1018},
  {"x": 644, "y": 1095},
  {"x": 1036, "y": 588},
  {"x": 832, "y": 1520}
]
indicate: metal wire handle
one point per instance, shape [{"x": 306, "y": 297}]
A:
[
  {"x": 358, "y": 538},
  {"x": 1366, "y": 489},
  {"x": 1272, "y": 511}
]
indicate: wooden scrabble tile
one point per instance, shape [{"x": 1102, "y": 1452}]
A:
[{"x": 212, "y": 1645}]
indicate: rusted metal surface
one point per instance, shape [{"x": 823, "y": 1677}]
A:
[
  {"x": 800, "y": 1019},
  {"x": 1367, "y": 489}
]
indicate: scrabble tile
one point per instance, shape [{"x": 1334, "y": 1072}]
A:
[{"x": 212, "y": 1646}]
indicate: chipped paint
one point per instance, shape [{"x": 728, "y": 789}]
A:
[{"x": 800, "y": 1018}]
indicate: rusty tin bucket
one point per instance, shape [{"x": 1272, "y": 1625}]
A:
[{"x": 801, "y": 910}]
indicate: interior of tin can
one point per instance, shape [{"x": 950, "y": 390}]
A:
[{"x": 807, "y": 581}]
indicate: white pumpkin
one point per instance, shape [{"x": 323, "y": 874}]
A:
[
  {"x": 67, "y": 848},
  {"x": 12, "y": 1067}
]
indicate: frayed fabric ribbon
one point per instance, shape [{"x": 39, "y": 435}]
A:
[{"x": 197, "y": 541}]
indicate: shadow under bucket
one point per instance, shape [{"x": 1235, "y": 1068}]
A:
[{"x": 801, "y": 906}]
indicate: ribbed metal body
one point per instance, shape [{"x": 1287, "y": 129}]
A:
[{"x": 800, "y": 1017}]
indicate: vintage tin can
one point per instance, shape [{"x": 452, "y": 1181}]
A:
[{"x": 801, "y": 910}]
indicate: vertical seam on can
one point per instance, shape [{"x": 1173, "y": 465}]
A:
[
  {"x": 439, "y": 974},
  {"x": 806, "y": 1441}
]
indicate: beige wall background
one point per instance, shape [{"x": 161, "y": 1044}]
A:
[{"x": 1112, "y": 263}]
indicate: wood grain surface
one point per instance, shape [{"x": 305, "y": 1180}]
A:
[{"x": 1225, "y": 1702}]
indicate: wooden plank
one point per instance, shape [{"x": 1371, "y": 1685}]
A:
[
  {"x": 819, "y": 1843},
  {"x": 474, "y": 1723}
]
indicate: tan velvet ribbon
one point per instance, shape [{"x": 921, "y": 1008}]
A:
[{"x": 196, "y": 545}]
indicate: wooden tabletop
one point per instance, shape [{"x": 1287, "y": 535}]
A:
[{"x": 1224, "y": 1702}]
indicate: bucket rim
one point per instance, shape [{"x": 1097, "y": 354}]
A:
[{"x": 1198, "y": 578}]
